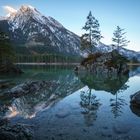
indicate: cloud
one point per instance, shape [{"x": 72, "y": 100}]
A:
[{"x": 9, "y": 9}]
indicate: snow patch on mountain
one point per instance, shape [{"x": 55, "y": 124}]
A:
[
  {"x": 130, "y": 54},
  {"x": 28, "y": 24}
]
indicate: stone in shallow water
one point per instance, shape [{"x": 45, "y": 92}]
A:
[
  {"x": 135, "y": 110},
  {"x": 62, "y": 113},
  {"x": 122, "y": 128},
  {"x": 135, "y": 99},
  {"x": 15, "y": 132}
]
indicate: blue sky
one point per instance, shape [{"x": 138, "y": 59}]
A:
[{"x": 72, "y": 14}]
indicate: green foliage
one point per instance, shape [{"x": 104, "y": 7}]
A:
[
  {"x": 119, "y": 38},
  {"x": 90, "y": 59},
  {"x": 91, "y": 38},
  {"x": 116, "y": 60},
  {"x": 6, "y": 51},
  {"x": 46, "y": 58}
]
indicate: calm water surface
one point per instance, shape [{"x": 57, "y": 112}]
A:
[{"x": 81, "y": 106}]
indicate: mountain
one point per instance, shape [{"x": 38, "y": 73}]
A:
[
  {"x": 130, "y": 54},
  {"x": 32, "y": 32}
]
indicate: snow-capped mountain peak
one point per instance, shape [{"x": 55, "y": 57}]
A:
[
  {"x": 31, "y": 28},
  {"x": 25, "y": 8},
  {"x": 43, "y": 34}
]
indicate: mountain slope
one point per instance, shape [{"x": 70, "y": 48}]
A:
[
  {"x": 32, "y": 32},
  {"x": 130, "y": 54},
  {"x": 30, "y": 29}
]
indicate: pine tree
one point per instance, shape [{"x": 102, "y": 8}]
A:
[
  {"x": 119, "y": 38},
  {"x": 6, "y": 51},
  {"x": 91, "y": 38}
]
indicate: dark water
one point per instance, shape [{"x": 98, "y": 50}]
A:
[{"x": 81, "y": 106}]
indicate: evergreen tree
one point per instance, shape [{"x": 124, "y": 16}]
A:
[
  {"x": 119, "y": 38},
  {"x": 6, "y": 52},
  {"x": 91, "y": 38}
]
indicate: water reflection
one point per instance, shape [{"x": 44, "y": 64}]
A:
[
  {"x": 117, "y": 105},
  {"x": 90, "y": 105},
  {"x": 65, "y": 83},
  {"x": 112, "y": 84}
]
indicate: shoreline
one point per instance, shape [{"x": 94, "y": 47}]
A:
[
  {"x": 133, "y": 64},
  {"x": 130, "y": 64},
  {"x": 42, "y": 64}
]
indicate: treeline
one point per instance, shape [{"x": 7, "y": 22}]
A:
[{"x": 46, "y": 58}]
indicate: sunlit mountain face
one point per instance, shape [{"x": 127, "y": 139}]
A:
[{"x": 30, "y": 29}]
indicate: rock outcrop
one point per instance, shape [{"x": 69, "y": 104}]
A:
[
  {"x": 9, "y": 67},
  {"x": 135, "y": 99},
  {"x": 107, "y": 63},
  {"x": 9, "y": 131}
]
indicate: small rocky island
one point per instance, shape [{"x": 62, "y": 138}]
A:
[{"x": 104, "y": 63}]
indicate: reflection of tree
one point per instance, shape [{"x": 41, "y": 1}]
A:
[
  {"x": 106, "y": 83},
  {"x": 113, "y": 84},
  {"x": 118, "y": 103},
  {"x": 90, "y": 105}
]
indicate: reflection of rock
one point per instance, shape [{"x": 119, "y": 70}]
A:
[
  {"x": 113, "y": 84},
  {"x": 135, "y": 99},
  {"x": 135, "y": 110},
  {"x": 107, "y": 83}
]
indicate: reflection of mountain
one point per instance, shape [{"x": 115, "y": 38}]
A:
[
  {"x": 107, "y": 83},
  {"x": 30, "y": 104}
]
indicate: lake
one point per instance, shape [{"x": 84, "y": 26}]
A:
[{"x": 79, "y": 106}]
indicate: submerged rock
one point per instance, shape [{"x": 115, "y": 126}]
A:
[
  {"x": 135, "y": 99},
  {"x": 122, "y": 128},
  {"x": 62, "y": 113},
  {"x": 15, "y": 132}
]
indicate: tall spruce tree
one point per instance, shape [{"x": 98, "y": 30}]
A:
[
  {"x": 6, "y": 51},
  {"x": 91, "y": 38},
  {"x": 119, "y": 38}
]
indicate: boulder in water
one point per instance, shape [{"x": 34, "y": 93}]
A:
[{"x": 135, "y": 99}]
